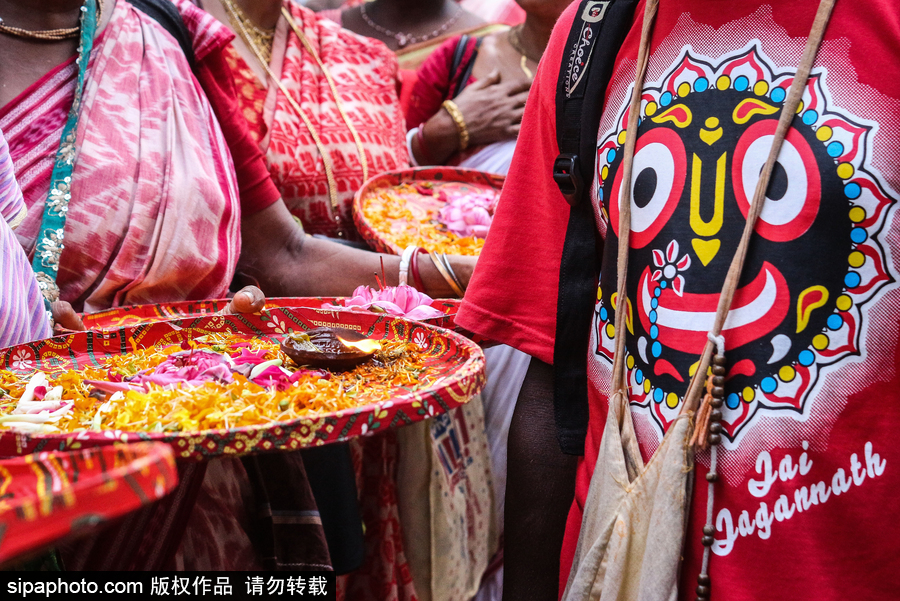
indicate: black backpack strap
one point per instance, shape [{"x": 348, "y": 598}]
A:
[
  {"x": 594, "y": 41},
  {"x": 166, "y": 14}
]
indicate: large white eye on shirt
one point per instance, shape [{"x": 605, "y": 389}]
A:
[
  {"x": 795, "y": 188},
  {"x": 657, "y": 181}
]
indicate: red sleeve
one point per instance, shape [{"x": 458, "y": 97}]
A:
[
  {"x": 432, "y": 84},
  {"x": 256, "y": 187},
  {"x": 512, "y": 295}
]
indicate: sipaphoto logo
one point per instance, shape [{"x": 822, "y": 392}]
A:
[{"x": 595, "y": 11}]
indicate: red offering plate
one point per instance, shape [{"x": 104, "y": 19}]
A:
[
  {"x": 50, "y": 496},
  {"x": 137, "y": 314},
  {"x": 395, "y": 235},
  {"x": 455, "y": 363}
]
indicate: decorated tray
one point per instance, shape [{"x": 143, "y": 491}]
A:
[
  {"x": 50, "y": 496},
  {"x": 137, "y": 314},
  {"x": 446, "y": 371},
  {"x": 443, "y": 209}
]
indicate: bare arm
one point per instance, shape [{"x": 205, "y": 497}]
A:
[{"x": 278, "y": 255}]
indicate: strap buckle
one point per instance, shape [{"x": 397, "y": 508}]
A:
[{"x": 567, "y": 175}]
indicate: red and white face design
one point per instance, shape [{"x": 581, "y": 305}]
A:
[{"x": 815, "y": 260}]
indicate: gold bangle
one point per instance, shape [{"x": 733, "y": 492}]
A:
[
  {"x": 451, "y": 281},
  {"x": 460, "y": 121}
]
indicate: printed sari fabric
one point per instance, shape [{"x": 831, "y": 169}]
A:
[
  {"x": 22, "y": 315},
  {"x": 141, "y": 227},
  {"x": 365, "y": 75},
  {"x": 411, "y": 57}
]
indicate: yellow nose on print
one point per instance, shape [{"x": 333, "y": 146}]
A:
[
  {"x": 712, "y": 133},
  {"x": 706, "y": 249}
]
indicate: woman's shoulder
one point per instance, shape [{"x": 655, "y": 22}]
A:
[
  {"x": 207, "y": 33},
  {"x": 333, "y": 33}
]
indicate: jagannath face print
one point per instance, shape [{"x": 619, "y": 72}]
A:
[{"x": 815, "y": 260}]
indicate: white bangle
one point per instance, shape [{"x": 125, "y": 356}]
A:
[
  {"x": 409, "y": 138},
  {"x": 405, "y": 260}
]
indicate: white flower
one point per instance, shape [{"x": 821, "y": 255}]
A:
[
  {"x": 420, "y": 340},
  {"x": 22, "y": 360},
  {"x": 669, "y": 268}
]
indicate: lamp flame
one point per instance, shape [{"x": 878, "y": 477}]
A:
[{"x": 366, "y": 345}]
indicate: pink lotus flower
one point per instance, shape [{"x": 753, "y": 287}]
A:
[
  {"x": 468, "y": 215},
  {"x": 400, "y": 301}
]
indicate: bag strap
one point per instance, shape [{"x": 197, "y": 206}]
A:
[
  {"x": 594, "y": 41},
  {"x": 166, "y": 14},
  {"x": 631, "y": 135},
  {"x": 459, "y": 82},
  {"x": 467, "y": 72}
]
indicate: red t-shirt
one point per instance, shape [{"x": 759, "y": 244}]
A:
[{"x": 803, "y": 507}]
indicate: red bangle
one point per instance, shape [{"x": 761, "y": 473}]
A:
[
  {"x": 423, "y": 148},
  {"x": 414, "y": 270}
]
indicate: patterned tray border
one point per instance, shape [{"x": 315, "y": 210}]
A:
[
  {"x": 50, "y": 496},
  {"x": 459, "y": 363}
]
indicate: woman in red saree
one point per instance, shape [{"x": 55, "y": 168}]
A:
[
  {"x": 351, "y": 127},
  {"x": 488, "y": 78},
  {"x": 417, "y": 28}
]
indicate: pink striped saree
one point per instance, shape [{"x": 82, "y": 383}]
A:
[
  {"x": 154, "y": 213},
  {"x": 22, "y": 315}
]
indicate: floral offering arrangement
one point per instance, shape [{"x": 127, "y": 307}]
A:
[
  {"x": 213, "y": 382},
  {"x": 469, "y": 215},
  {"x": 453, "y": 224},
  {"x": 399, "y": 301}
]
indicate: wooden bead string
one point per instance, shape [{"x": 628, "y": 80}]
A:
[
  {"x": 709, "y": 415},
  {"x": 709, "y": 428}
]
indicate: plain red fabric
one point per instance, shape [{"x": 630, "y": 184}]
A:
[{"x": 803, "y": 505}]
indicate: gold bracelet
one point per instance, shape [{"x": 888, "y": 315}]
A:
[
  {"x": 447, "y": 277},
  {"x": 460, "y": 121}
]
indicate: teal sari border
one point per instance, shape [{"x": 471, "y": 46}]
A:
[{"x": 50, "y": 244}]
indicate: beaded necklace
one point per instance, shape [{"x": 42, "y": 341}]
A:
[
  {"x": 49, "y": 244},
  {"x": 405, "y": 39},
  {"x": 48, "y": 35}
]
